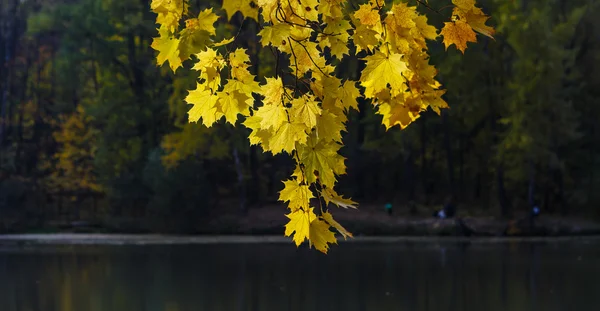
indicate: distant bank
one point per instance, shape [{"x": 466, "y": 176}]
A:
[
  {"x": 159, "y": 239},
  {"x": 371, "y": 225}
]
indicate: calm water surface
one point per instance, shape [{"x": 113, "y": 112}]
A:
[{"x": 355, "y": 276}]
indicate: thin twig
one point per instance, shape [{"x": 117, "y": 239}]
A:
[
  {"x": 234, "y": 38},
  {"x": 296, "y": 65},
  {"x": 428, "y": 7},
  {"x": 309, "y": 56}
]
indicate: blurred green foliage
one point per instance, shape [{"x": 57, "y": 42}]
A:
[{"x": 93, "y": 129}]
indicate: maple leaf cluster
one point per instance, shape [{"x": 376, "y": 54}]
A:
[{"x": 308, "y": 125}]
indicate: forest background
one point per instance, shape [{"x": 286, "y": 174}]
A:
[{"x": 92, "y": 130}]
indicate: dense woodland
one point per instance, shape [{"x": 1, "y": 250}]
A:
[{"x": 92, "y": 129}]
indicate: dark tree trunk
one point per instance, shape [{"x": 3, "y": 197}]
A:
[
  {"x": 502, "y": 199},
  {"x": 424, "y": 179},
  {"x": 431, "y": 180},
  {"x": 359, "y": 154},
  {"x": 531, "y": 187},
  {"x": 255, "y": 191},
  {"x": 9, "y": 38},
  {"x": 241, "y": 184},
  {"x": 39, "y": 128},
  {"x": 461, "y": 167},
  {"x": 547, "y": 202},
  {"x": 561, "y": 193},
  {"x": 21, "y": 110},
  {"x": 592, "y": 166},
  {"x": 449, "y": 160},
  {"x": 137, "y": 85},
  {"x": 409, "y": 175}
]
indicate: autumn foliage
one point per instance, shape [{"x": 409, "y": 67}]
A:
[{"x": 305, "y": 118}]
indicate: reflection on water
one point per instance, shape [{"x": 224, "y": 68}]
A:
[{"x": 401, "y": 276}]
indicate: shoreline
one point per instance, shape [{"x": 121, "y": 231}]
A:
[
  {"x": 270, "y": 221},
  {"x": 165, "y": 239}
]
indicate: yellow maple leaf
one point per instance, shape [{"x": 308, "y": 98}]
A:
[
  {"x": 329, "y": 127},
  {"x": 329, "y": 219},
  {"x": 299, "y": 224},
  {"x": 332, "y": 8},
  {"x": 269, "y": 9},
  {"x": 422, "y": 75},
  {"x": 232, "y": 102},
  {"x": 239, "y": 63},
  {"x": 381, "y": 70},
  {"x": 239, "y": 58},
  {"x": 320, "y": 235},
  {"x": 436, "y": 103},
  {"x": 464, "y": 4},
  {"x": 164, "y": 6},
  {"x": 396, "y": 113},
  {"x": 286, "y": 137},
  {"x": 365, "y": 38},
  {"x": 272, "y": 115},
  {"x": 223, "y": 42},
  {"x": 305, "y": 57},
  {"x": 192, "y": 42},
  {"x": 168, "y": 21},
  {"x": 367, "y": 15},
  {"x": 458, "y": 33},
  {"x": 401, "y": 15},
  {"x": 273, "y": 91},
  {"x": 466, "y": 11},
  {"x": 299, "y": 174},
  {"x": 349, "y": 95},
  {"x": 246, "y": 87},
  {"x": 258, "y": 134},
  {"x": 210, "y": 64},
  {"x": 300, "y": 34},
  {"x": 305, "y": 111},
  {"x": 244, "y": 6},
  {"x": 337, "y": 37},
  {"x": 321, "y": 156},
  {"x": 204, "y": 106},
  {"x": 205, "y": 21},
  {"x": 337, "y": 47},
  {"x": 208, "y": 58},
  {"x": 476, "y": 19},
  {"x": 325, "y": 85},
  {"x": 306, "y": 9},
  {"x": 298, "y": 195},
  {"x": 329, "y": 195},
  {"x": 276, "y": 35},
  {"x": 196, "y": 35},
  {"x": 169, "y": 12},
  {"x": 168, "y": 49},
  {"x": 426, "y": 30},
  {"x": 161, "y": 6},
  {"x": 399, "y": 41}
]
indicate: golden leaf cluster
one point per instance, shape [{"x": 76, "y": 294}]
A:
[{"x": 307, "y": 122}]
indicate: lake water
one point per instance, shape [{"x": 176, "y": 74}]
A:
[{"x": 416, "y": 276}]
